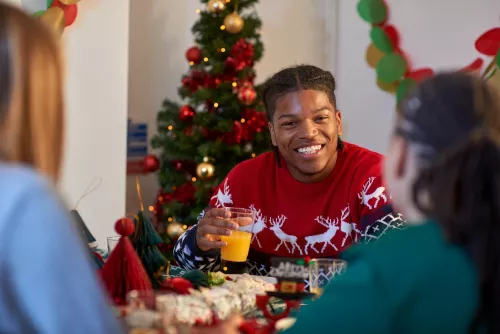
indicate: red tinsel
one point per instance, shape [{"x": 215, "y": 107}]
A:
[
  {"x": 198, "y": 79},
  {"x": 242, "y": 52},
  {"x": 255, "y": 122},
  {"x": 184, "y": 193},
  {"x": 123, "y": 271},
  {"x": 235, "y": 136}
]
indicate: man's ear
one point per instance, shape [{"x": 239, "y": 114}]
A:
[
  {"x": 340, "y": 128},
  {"x": 273, "y": 135}
]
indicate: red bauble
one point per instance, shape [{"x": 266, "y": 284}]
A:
[
  {"x": 186, "y": 113},
  {"x": 247, "y": 94},
  {"x": 238, "y": 132},
  {"x": 124, "y": 227},
  {"x": 184, "y": 193},
  {"x": 193, "y": 54},
  {"x": 151, "y": 163},
  {"x": 230, "y": 64}
]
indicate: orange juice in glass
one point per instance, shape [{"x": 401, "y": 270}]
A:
[{"x": 235, "y": 253}]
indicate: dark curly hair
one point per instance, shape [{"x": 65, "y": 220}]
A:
[
  {"x": 453, "y": 120},
  {"x": 293, "y": 79}
]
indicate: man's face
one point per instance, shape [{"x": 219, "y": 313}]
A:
[{"x": 305, "y": 128}]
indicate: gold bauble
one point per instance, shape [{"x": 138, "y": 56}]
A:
[
  {"x": 174, "y": 230},
  {"x": 205, "y": 170},
  {"x": 55, "y": 19},
  {"x": 216, "y": 6},
  {"x": 233, "y": 23}
]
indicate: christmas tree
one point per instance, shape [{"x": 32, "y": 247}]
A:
[
  {"x": 123, "y": 272},
  {"x": 219, "y": 123},
  {"x": 83, "y": 230},
  {"x": 146, "y": 241},
  {"x": 87, "y": 238}
]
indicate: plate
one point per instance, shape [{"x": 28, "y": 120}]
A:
[{"x": 267, "y": 279}]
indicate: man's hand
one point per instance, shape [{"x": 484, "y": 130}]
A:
[{"x": 211, "y": 227}]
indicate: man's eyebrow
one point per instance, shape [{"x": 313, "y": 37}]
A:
[{"x": 314, "y": 112}]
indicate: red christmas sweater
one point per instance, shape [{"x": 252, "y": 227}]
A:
[{"x": 295, "y": 219}]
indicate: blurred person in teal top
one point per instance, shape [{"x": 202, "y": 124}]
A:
[
  {"x": 47, "y": 282},
  {"x": 440, "y": 275}
]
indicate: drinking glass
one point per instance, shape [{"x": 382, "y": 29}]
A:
[
  {"x": 112, "y": 242},
  {"x": 238, "y": 243},
  {"x": 322, "y": 271}
]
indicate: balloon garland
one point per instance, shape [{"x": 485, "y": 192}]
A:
[
  {"x": 394, "y": 72},
  {"x": 59, "y": 14}
]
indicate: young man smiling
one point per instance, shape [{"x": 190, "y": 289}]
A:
[{"x": 314, "y": 195}]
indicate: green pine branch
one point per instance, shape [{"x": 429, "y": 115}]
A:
[{"x": 178, "y": 140}]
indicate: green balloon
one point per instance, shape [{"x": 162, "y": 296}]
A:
[
  {"x": 372, "y": 11},
  {"x": 381, "y": 40},
  {"x": 39, "y": 13},
  {"x": 49, "y": 3},
  {"x": 391, "y": 68},
  {"x": 403, "y": 88}
]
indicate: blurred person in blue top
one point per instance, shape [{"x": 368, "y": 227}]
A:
[
  {"x": 442, "y": 273},
  {"x": 47, "y": 282}
]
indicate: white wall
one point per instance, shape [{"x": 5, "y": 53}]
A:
[
  {"x": 293, "y": 31},
  {"x": 436, "y": 33},
  {"x": 96, "y": 49}
]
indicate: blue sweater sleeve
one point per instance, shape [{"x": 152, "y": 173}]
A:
[
  {"x": 189, "y": 256},
  {"x": 53, "y": 285}
]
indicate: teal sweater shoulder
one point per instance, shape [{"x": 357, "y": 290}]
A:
[{"x": 411, "y": 281}]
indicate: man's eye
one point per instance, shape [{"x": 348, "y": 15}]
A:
[
  {"x": 289, "y": 124},
  {"x": 321, "y": 119}
]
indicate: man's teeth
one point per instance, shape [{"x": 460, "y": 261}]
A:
[{"x": 309, "y": 149}]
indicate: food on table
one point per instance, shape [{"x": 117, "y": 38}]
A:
[
  {"x": 185, "y": 309},
  {"x": 223, "y": 300},
  {"x": 216, "y": 278},
  {"x": 198, "y": 278}
]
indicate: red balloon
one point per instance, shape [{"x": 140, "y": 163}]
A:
[
  {"x": 70, "y": 13},
  {"x": 489, "y": 42},
  {"x": 474, "y": 66},
  {"x": 151, "y": 163},
  {"x": 193, "y": 54},
  {"x": 393, "y": 34},
  {"x": 421, "y": 74},
  {"x": 186, "y": 113}
]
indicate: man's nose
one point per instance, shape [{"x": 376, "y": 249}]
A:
[{"x": 309, "y": 129}]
